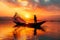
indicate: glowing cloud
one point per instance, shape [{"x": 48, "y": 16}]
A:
[
  {"x": 23, "y": 2},
  {"x": 46, "y": 0},
  {"x": 36, "y": 1}
]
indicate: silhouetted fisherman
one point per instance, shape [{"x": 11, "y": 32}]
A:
[
  {"x": 37, "y": 25},
  {"x": 35, "y": 22}
]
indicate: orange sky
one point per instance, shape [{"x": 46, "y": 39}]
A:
[{"x": 8, "y": 9}]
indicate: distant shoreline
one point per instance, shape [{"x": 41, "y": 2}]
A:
[{"x": 11, "y": 19}]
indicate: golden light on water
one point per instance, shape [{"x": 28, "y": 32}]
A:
[{"x": 24, "y": 33}]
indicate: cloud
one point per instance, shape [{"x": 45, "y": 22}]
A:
[
  {"x": 41, "y": 2},
  {"x": 48, "y": 2},
  {"x": 8, "y": 1},
  {"x": 55, "y": 2}
]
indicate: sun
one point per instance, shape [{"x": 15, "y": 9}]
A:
[{"x": 27, "y": 15}]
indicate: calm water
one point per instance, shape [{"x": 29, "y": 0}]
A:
[{"x": 7, "y": 31}]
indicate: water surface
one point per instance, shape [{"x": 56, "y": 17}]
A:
[{"x": 7, "y": 30}]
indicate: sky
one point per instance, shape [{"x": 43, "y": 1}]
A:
[
  {"x": 49, "y": 2},
  {"x": 42, "y": 8}
]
